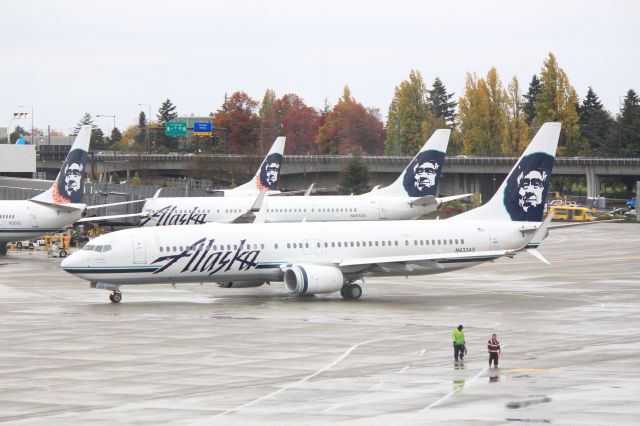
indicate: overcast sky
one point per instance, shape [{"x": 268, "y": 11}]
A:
[{"x": 68, "y": 57}]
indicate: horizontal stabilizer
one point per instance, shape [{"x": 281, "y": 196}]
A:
[
  {"x": 427, "y": 200},
  {"x": 122, "y": 203}
]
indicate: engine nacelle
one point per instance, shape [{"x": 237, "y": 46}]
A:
[
  {"x": 311, "y": 279},
  {"x": 240, "y": 284}
]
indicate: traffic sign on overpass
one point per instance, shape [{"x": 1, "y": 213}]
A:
[
  {"x": 202, "y": 129},
  {"x": 176, "y": 128}
]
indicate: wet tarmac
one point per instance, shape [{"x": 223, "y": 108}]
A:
[{"x": 200, "y": 355}]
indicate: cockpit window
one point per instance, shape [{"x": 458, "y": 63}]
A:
[{"x": 88, "y": 247}]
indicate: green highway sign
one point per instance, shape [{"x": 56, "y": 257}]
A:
[{"x": 176, "y": 128}]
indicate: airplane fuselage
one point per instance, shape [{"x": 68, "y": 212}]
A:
[
  {"x": 227, "y": 252},
  {"x": 198, "y": 210},
  {"x": 26, "y": 219}
]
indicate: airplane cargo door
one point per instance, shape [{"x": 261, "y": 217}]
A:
[
  {"x": 139, "y": 252},
  {"x": 493, "y": 239}
]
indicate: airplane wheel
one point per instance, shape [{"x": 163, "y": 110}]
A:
[
  {"x": 3, "y": 249},
  {"x": 351, "y": 291},
  {"x": 115, "y": 297}
]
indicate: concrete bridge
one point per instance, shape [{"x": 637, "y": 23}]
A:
[{"x": 461, "y": 174}]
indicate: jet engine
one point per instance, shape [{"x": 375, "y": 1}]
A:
[
  {"x": 240, "y": 284},
  {"x": 312, "y": 279}
]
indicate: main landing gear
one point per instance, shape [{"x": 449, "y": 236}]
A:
[
  {"x": 351, "y": 291},
  {"x": 115, "y": 297}
]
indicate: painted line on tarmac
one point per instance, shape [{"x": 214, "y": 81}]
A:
[
  {"x": 441, "y": 400},
  {"x": 311, "y": 376}
]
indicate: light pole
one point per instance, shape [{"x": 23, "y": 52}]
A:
[
  {"x": 110, "y": 116},
  {"x": 29, "y": 106},
  {"x": 146, "y": 132}
]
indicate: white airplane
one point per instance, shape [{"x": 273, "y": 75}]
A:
[
  {"x": 412, "y": 195},
  {"x": 326, "y": 257},
  {"x": 59, "y": 206}
]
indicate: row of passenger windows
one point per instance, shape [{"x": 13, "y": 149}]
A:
[
  {"x": 332, "y": 244},
  {"x": 327, "y": 210},
  {"x": 8, "y": 216}
]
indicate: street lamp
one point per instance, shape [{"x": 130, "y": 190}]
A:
[
  {"x": 110, "y": 116},
  {"x": 29, "y": 106},
  {"x": 146, "y": 132}
]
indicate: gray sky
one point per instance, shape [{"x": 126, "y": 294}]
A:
[{"x": 68, "y": 57}]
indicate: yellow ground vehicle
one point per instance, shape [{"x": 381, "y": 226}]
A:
[
  {"x": 573, "y": 213},
  {"x": 57, "y": 244}
]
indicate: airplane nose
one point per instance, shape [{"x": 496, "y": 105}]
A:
[{"x": 69, "y": 262}]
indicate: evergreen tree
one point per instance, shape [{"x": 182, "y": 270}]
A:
[
  {"x": 85, "y": 120},
  {"x": 594, "y": 121},
  {"x": 97, "y": 141},
  {"x": 116, "y": 136},
  {"x": 143, "y": 125},
  {"x": 529, "y": 107},
  {"x": 135, "y": 180},
  {"x": 167, "y": 112},
  {"x": 17, "y": 132},
  {"x": 440, "y": 102},
  {"x": 354, "y": 178},
  {"x": 624, "y": 139}
]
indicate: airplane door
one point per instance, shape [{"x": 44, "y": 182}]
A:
[
  {"x": 493, "y": 239},
  {"x": 33, "y": 217},
  {"x": 318, "y": 246},
  {"x": 139, "y": 252},
  {"x": 382, "y": 211}
]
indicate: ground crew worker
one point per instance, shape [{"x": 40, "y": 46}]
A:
[
  {"x": 458, "y": 343},
  {"x": 494, "y": 350}
]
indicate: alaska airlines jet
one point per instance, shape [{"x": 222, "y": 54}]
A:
[
  {"x": 327, "y": 257},
  {"x": 412, "y": 195},
  {"x": 54, "y": 209}
]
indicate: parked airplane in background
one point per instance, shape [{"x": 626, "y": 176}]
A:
[
  {"x": 412, "y": 195},
  {"x": 326, "y": 257},
  {"x": 59, "y": 206}
]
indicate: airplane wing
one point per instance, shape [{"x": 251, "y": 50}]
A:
[
  {"x": 98, "y": 206},
  {"x": 432, "y": 260},
  {"x": 115, "y": 216}
]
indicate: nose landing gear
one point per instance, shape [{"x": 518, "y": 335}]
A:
[{"x": 115, "y": 297}]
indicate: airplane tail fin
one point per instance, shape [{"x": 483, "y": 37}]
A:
[
  {"x": 268, "y": 175},
  {"x": 68, "y": 186},
  {"x": 422, "y": 175},
  {"x": 523, "y": 194}
]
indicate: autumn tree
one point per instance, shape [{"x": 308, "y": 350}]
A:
[
  {"x": 238, "y": 115},
  {"x": 410, "y": 119},
  {"x": 515, "y": 135},
  {"x": 557, "y": 101},
  {"x": 301, "y": 126},
  {"x": 351, "y": 125},
  {"x": 482, "y": 114},
  {"x": 354, "y": 178}
]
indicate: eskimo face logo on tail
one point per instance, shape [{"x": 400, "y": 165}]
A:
[
  {"x": 68, "y": 185},
  {"x": 270, "y": 172},
  {"x": 527, "y": 188},
  {"x": 423, "y": 174}
]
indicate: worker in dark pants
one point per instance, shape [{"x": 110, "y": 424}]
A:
[
  {"x": 494, "y": 350},
  {"x": 458, "y": 343}
]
